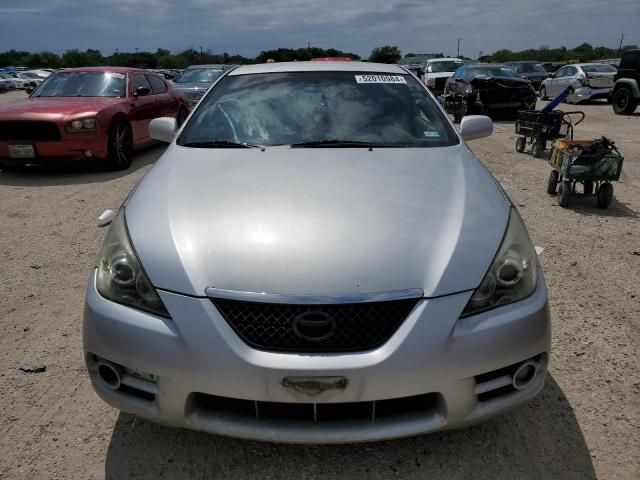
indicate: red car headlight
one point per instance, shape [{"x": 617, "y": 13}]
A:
[{"x": 82, "y": 125}]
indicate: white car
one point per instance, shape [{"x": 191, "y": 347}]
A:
[
  {"x": 588, "y": 81},
  {"x": 11, "y": 83},
  {"x": 437, "y": 71}
]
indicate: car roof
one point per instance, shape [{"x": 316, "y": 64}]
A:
[
  {"x": 218, "y": 66},
  {"x": 318, "y": 67},
  {"x": 106, "y": 69},
  {"x": 447, "y": 59}
]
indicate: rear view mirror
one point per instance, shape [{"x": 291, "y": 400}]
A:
[
  {"x": 473, "y": 127},
  {"x": 163, "y": 129}
]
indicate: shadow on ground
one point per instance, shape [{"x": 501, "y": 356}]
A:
[
  {"x": 539, "y": 441},
  {"x": 77, "y": 172}
]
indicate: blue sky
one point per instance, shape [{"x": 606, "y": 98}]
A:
[{"x": 249, "y": 26}]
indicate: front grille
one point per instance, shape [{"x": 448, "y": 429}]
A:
[
  {"x": 28, "y": 130},
  {"x": 315, "y": 328},
  {"x": 310, "y": 413}
]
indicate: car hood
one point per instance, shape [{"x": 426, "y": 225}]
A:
[
  {"x": 317, "y": 221},
  {"x": 498, "y": 80},
  {"x": 54, "y": 107}
]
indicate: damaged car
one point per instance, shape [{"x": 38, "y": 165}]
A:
[
  {"x": 491, "y": 89},
  {"x": 586, "y": 81}
]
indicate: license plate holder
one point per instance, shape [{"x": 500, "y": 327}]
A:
[{"x": 22, "y": 151}]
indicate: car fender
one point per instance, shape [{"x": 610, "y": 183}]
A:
[{"x": 629, "y": 82}]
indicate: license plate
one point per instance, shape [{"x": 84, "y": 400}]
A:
[{"x": 21, "y": 151}]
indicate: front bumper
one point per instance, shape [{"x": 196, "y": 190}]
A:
[
  {"x": 72, "y": 146},
  {"x": 195, "y": 356}
]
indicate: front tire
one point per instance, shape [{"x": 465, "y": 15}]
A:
[
  {"x": 520, "y": 144},
  {"x": 623, "y": 101},
  {"x": 604, "y": 195},
  {"x": 120, "y": 146},
  {"x": 564, "y": 194},
  {"x": 552, "y": 183},
  {"x": 543, "y": 93},
  {"x": 538, "y": 148}
]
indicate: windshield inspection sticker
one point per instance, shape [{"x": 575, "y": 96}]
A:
[
  {"x": 431, "y": 134},
  {"x": 380, "y": 79}
]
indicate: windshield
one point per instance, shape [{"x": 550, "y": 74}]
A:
[
  {"x": 439, "y": 67},
  {"x": 83, "y": 84},
  {"x": 199, "y": 75},
  {"x": 530, "y": 68},
  {"x": 598, "y": 68},
  {"x": 336, "y": 107},
  {"x": 491, "y": 71}
]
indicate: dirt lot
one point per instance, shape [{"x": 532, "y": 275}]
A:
[{"x": 586, "y": 423}]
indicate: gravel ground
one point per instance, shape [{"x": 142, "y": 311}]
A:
[{"x": 585, "y": 424}]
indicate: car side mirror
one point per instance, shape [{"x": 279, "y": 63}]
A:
[
  {"x": 473, "y": 127},
  {"x": 142, "y": 91},
  {"x": 29, "y": 90},
  {"x": 163, "y": 129}
]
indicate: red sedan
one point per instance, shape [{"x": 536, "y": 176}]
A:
[{"x": 82, "y": 113}]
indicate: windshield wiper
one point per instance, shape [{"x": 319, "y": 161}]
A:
[
  {"x": 337, "y": 143},
  {"x": 218, "y": 144}
]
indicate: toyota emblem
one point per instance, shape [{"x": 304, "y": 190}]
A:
[{"x": 314, "y": 326}]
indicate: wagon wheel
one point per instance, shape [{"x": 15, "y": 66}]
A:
[
  {"x": 564, "y": 194},
  {"x": 552, "y": 183},
  {"x": 521, "y": 142},
  {"x": 604, "y": 195},
  {"x": 538, "y": 148}
]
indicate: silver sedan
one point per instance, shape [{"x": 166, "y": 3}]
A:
[
  {"x": 317, "y": 257},
  {"x": 588, "y": 81}
]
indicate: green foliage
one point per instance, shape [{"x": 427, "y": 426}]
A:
[
  {"x": 386, "y": 54},
  {"x": 584, "y": 52},
  {"x": 301, "y": 54},
  {"x": 163, "y": 58}
]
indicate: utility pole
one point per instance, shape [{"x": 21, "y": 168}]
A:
[
  {"x": 458, "y": 48},
  {"x": 116, "y": 52},
  {"x": 480, "y": 55},
  {"x": 620, "y": 47},
  {"x": 308, "y": 45},
  {"x": 136, "y": 51},
  {"x": 200, "y": 54}
]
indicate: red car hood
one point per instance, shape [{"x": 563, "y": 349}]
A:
[{"x": 54, "y": 107}]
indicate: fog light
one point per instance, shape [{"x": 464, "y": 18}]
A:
[{"x": 88, "y": 153}]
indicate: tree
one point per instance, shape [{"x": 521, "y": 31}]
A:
[{"x": 386, "y": 54}]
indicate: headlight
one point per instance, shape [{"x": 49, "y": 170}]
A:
[
  {"x": 512, "y": 275},
  {"x": 121, "y": 277},
  {"x": 82, "y": 125}
]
